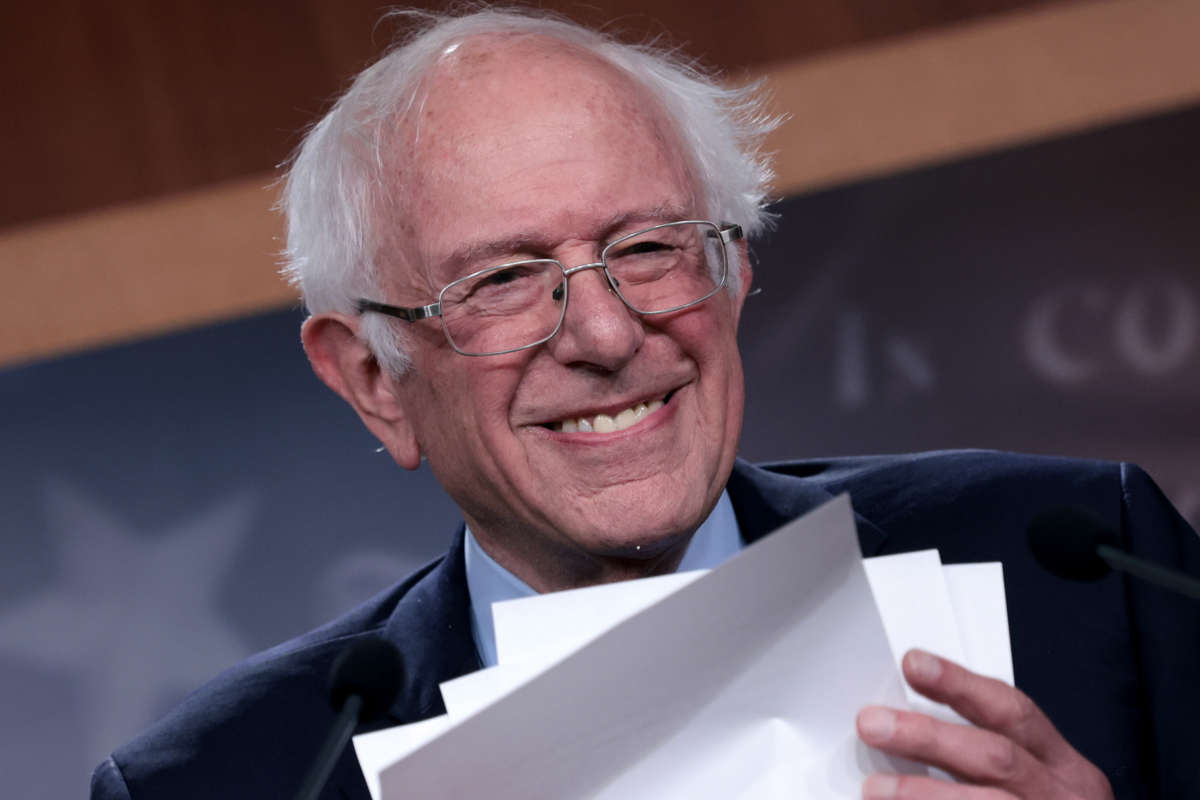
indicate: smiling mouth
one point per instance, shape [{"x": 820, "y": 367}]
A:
[{"x": 605, "y": 423}]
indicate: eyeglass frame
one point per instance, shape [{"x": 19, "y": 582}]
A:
[{"x": 727, "y": 232}]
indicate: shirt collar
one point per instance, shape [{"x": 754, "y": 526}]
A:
[{"x": 717, "y": 538}]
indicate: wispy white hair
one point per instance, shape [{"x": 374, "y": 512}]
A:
[{"x": 338, "y": 187}]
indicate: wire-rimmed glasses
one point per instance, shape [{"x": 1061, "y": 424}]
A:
[{"x": 522, "y": 304}]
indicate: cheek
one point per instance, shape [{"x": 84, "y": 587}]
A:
[
  {"x": 709, "y": 338},
  {"x": 712, "y": 342},
  {"x": 468, "y": 399}
]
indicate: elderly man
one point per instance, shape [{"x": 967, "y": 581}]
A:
[{"x": 523, "y": 247}]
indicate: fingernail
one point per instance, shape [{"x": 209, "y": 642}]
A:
[
  {"x": 876, "y": 724},
  {"x": 880, "y": 787},
  {"x": 924, "y": 667}
]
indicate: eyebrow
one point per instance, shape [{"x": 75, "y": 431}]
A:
[{"x": 476, "y": 252}]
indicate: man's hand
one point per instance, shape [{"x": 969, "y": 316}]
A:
[{"x": 1014, "y": 753}]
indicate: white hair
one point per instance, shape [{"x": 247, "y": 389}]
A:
[{"x": 337, "y": 186}]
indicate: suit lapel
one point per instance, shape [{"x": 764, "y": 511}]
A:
[
  {"x": 763, "y": 500},
  {"x": 431, "y": 627}
]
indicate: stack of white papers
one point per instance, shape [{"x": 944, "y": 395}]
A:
[{"x": 742, "y": 681}]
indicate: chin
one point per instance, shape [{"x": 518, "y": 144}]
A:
[{"x": 642, "y": 539}]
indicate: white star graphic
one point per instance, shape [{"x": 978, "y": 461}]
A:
[
  {"x": 134, "y": 617},
  {"x": 355, "y": 576}
]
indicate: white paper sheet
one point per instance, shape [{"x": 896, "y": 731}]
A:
[
  {"x": 981, "y": 611},
  {"x": 955, "y": 611},
  {"x": 468, "y": 694},
  {"x": 533, "y": 632},
  {"x": 378, "y": 749},
  {"x": 715, "y": 705},
  {"x": 549, "y": 625},
  {"x": 914, "y": 603},
  {"x": 738, "y": 682}
]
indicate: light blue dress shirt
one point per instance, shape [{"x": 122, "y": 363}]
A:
[{"x": 717, "y": 538}]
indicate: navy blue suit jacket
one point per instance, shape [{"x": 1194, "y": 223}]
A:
[{"x": 1115, "y": 664}]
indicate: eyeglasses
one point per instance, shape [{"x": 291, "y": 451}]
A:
[{"x": 522, "y": 304}]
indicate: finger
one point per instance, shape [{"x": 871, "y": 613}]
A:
[
  {"x": 971, "y": 754},
  {"x": 995, "y": 706},
  {"x": 988, "y": 703},
  {"x": 919, "y": 787}
]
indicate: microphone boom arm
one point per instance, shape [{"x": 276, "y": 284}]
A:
[{"x": 1147, "y": 571}]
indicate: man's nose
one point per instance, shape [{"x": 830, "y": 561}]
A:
[{"x": 598, "y": 329}]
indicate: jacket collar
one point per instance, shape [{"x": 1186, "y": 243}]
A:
[{"x": 765, "y": 499}]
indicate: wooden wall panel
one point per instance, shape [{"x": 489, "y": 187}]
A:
[
  {"x": 982, "y": 85},
  {"x": 140, "y": 270},
  {"x": 208, "y": 253},
  {"x": 119, "y": 100},
  {"x": 110, "y": 101}
]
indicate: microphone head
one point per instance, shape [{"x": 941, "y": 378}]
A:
[
  {"x": 1064, "y": 541},
  {"x": 370, "y": 668}
]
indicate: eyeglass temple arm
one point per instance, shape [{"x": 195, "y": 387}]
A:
[
  {"x": 400, "y": 312},
  {"x": 731, "y": 232}
]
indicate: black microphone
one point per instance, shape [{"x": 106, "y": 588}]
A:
[
  {"x": 363, "y": 683},
  {"x": 1075, "y": 544}
]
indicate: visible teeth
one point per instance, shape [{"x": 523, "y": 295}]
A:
[{"x": 603, "y": 423}]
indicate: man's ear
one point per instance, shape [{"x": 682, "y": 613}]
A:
[{"x": 345, "y": 364}]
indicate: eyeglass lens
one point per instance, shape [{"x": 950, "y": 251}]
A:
[{"x": 517, "y": 305}]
